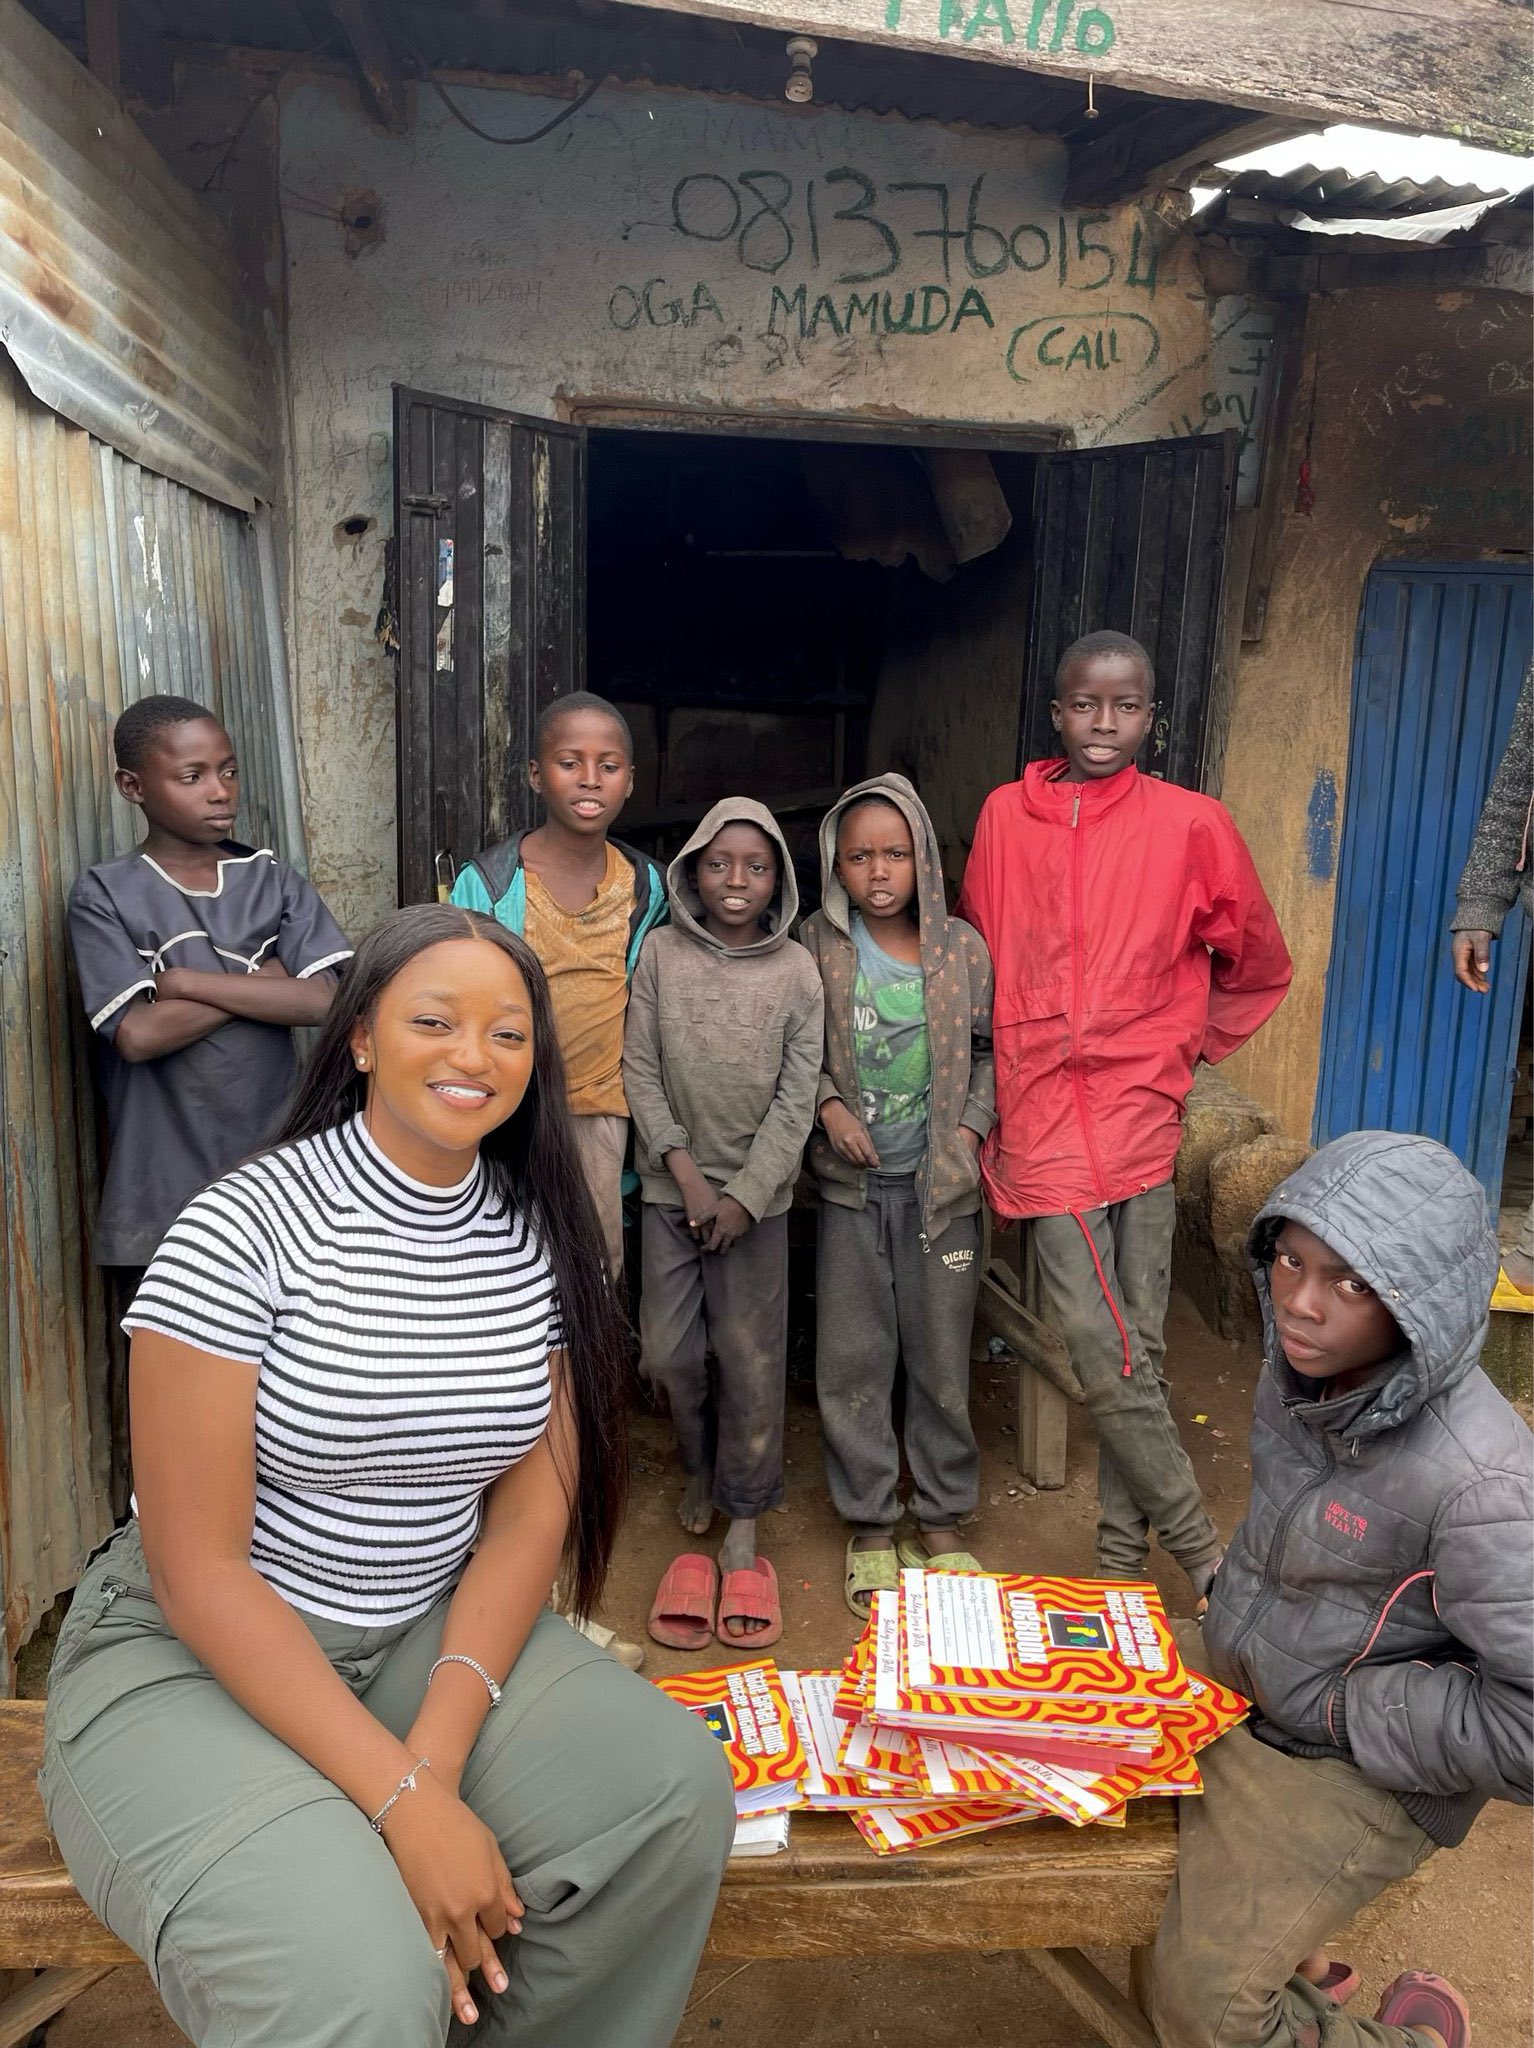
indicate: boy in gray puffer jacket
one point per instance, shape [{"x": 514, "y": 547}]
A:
[{"x": 1374, "y": 1604}]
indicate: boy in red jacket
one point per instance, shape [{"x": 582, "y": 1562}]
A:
[{"x": 1131, "y": 939}]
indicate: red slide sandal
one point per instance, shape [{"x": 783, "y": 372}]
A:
[
  {"x": 750, "y": 1596},
  {"x": 682, "y": 1614},
  {"x": 1419, "y": 1999}
]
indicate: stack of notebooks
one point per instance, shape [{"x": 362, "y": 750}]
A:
[{"x": 972, "y": 1701}]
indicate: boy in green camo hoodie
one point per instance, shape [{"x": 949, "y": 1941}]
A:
[{"x": 905, "y": 1099}]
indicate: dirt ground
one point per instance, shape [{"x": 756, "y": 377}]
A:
[{"x": 1474, "y": 1922}]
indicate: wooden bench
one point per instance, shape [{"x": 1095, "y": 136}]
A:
[{"x": 1044, "y": 1888}]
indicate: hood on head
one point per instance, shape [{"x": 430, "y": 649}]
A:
[
  {"x": 931, "y": 902},
  {"x": 1413, "y": 1222},
  {"x": 687, "y": 905}
]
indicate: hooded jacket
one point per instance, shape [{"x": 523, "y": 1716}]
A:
[
  {"x": 722, "y": 1049},
  {"x": 1375, "y": 1602},
  {"x": 495, "y": 884},
  {"x": 1130, "y": 938},
  {"x": 956, "y": 975}
]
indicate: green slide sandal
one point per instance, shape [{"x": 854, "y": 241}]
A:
[
  {"x": 915, "y": 1559},
  {"x": 868, "y": 1572}
]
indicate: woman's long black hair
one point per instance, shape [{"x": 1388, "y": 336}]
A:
[{"x": 532, "y": 1158}]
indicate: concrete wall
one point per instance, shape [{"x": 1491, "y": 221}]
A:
[
  {"x": 669, "y": 250},
  {"x": 1414, "y": 411}
]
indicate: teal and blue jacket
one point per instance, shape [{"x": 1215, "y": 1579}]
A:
[{"x": 495, "y": 884}]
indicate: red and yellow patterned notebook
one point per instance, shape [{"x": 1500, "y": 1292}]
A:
[
  {"x": 747, "y": 1708},
  {"x": 987, "y": 1712},
  {"x": 979, "y": 1633},
  {"x": 828, "y": 1786},
  {"x": 892, "y": 1830}
]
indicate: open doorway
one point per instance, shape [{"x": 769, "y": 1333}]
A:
[
  {"x": 778, "y": 618},
  {"x": 782, "y": 609}
]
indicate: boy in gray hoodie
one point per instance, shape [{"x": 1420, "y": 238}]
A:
[
  {"x": 720, "y": 1062},
  {"x": 905, "y": 1101},
  {"x": 1374, "y": 1605}
]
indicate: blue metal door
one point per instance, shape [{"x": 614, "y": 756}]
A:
[{"x": 1441, "y": 657}]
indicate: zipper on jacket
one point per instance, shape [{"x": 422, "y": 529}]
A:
[
  {"x": 1078, "y": 1079},
  {"x": 1272, "y": 1569}
]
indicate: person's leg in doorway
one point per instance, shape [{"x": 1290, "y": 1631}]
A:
[
  {"x": 1151, "y": 1483},
  {"x": 601, "y": 1142}
]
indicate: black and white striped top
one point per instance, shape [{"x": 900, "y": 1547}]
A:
[{"x": 402, "y": 1335}]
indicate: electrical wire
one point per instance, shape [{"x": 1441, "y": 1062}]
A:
[{"x": 502, "y": 141}]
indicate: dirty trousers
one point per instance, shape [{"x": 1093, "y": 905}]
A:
[
  {"x": 600, "y": 1143},
  {"x": 736, "y": 1303},
  {"x": 883, "y": 1297},
  {"x": 269, "y": 1913},
  {"x": 1145, "y": 1479},
  {"x": 1272, "y": 1862}
]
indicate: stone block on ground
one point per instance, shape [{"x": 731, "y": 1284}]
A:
[{"x": 1240, "y": 1182}]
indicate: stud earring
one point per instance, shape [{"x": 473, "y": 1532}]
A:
[{"x": 362, "y": 1065}]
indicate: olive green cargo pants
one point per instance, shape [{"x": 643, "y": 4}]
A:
[{"x": 269, "y": 1913}]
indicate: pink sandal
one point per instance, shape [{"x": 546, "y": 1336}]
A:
[
  {"x": 682, "y": 1613},
  {"x": 1419, "y": 1999},
  {"x": 750, "y": 1596},
  {"x": 1339, "y": 1983}
]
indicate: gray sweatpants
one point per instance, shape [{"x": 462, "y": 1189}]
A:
[
  {"x": 737, "y": 1303},
  {"x": 1273, "y": 1860},
  {"x": 269, "y": 1913},
  {"x": 882, "y": 1299},
  {"x": 1102, "y": 1305}
]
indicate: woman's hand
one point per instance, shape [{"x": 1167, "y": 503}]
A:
[
  {"x": 848, "y": 1135},
  {"x": 458, "y": 1882},
  {"x": 731, "y": 1221}
]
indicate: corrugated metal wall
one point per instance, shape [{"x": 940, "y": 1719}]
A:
[
  {"x": 114, "y": 583},
  {"x": 1441, "y": 655},
  {"x": 119, "y": 296}
]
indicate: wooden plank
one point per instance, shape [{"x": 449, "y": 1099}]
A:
[
  {"x": 1040, "y": 1884},
  {"x": 1087, "y": 1991},
  {"x": 378, "y": 69},
  {"x": 1032, "y": 1340},
  {"x": 1043, "y": 1430},
  {"x": 1446, "y": 67},
  {"x": 22, "y": 2015}
]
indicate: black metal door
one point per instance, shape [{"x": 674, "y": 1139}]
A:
[
  {"x": 490, "y": 519},
  {"x": 1135, "y": 539}
]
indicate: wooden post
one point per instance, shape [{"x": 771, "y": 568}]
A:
[
  {"x": 103, "y": 44},
  {"x": 1043, "y": 1429},
  {"x": 378, "y": 69}
]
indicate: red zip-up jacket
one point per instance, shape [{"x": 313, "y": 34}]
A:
[{"x": 1131, "y": 938}]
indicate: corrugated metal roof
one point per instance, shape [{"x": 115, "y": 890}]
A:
[
  {"x": 1337, "y": 191},
  {"x": 114, "y": 582},
  {"x": 119, "y": 298},
  {"x": 533, "y": 38}
]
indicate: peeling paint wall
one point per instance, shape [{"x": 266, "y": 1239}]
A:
[
  {"x": 670, "y": 250},
  {"x": 1414, "y": 412}
]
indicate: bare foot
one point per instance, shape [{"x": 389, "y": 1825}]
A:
[
  {"x": 738, "y": 1553},
  {"x": 696, "y": 1512},
  {"x": 942, "y": 1542},
  {"x": 1315, "y": 1966}
]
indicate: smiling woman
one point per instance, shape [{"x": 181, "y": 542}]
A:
[{"x": 377, "y": 1380}]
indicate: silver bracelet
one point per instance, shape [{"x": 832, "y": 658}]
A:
[
  {"x": 457, "y": 1657},
  {"x": 406, "y": 1784}
]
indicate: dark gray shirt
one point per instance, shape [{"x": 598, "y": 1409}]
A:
[{"x": 178, "y": 1122}]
